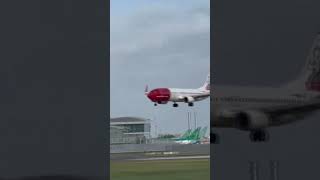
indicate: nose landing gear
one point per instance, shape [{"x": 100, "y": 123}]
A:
[{"x": 175, "y": 105}]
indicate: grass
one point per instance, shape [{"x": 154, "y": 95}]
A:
[{"x": 161, "y": 170}]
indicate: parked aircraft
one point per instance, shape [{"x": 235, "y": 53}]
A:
[{"x": 192, "y": 137}]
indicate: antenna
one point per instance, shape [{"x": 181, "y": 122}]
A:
[
  {"x": 155, "y": 125},
  {"x": 156, "y": 135},
  {"x": 254, "y": 170},
  {"x": 195, "y": 118},
  {"x": 188, "y": 120},
  {"x": 274, "y": 170}
]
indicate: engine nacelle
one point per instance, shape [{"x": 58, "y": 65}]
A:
[
  {"x": 249, "y": 120},
  {"x": 189, "y": 99}
]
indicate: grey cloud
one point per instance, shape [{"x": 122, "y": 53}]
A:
[{"x": 161, "y": 32}]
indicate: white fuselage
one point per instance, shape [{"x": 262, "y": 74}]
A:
[
  {"x": 254, "y": 97},
  {"x": 227, "y": 101},
  {"x": 178, "y": 95}
]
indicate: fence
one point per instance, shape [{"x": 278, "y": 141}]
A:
[{"x": 180, "y": 148}]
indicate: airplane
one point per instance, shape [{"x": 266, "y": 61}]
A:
[
  {"x": 184, "y": 136},
  {"x": 164, "y": 95},
  {"x": 254, "y": 109}
]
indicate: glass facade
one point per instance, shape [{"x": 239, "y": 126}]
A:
[{"x": 129, "y": 131}]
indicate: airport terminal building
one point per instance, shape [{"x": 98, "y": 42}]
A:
[{"x": 129, "y": 130}]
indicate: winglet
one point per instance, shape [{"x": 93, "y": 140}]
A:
[{"x": 146, "y": 90}]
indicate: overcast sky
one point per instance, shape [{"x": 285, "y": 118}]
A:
[{"x": 162, "y": 44}]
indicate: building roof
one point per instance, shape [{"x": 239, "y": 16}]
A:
[{"x": 128, "y": 120}]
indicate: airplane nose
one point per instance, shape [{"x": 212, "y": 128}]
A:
[
  {"x": 159, "y": 95},
  {"x": 150, "y": 95}
]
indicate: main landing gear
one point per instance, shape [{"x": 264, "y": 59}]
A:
[
  {"x": 259, "y": 136},
  {"x": 255, "y": 136},
  {"x": 176, "y": 105}
]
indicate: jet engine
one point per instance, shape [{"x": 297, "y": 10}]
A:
[
  {"x": 189, "y": 99},
  {"x": 249, "y": 120}
]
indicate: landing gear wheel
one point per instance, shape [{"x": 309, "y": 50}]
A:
[
  {"x": 259, "y": 136},
  {"x": 214, "y": 138},
  {"x": 155, "y": 104},
  {"x": 175, "y": 105},
  {"x": 190, "y": 104}
]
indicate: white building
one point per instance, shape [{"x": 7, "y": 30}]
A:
[{"x": 129, "y": 130}]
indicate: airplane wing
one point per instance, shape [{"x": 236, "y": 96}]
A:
[
  {"x": 300, "y": 108},
  {"x": 299, "y": 111},
  {"x": 278, "y": 115},
  {"x": 201, "y": 96},
  {"x": 194, "y": 97}
]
